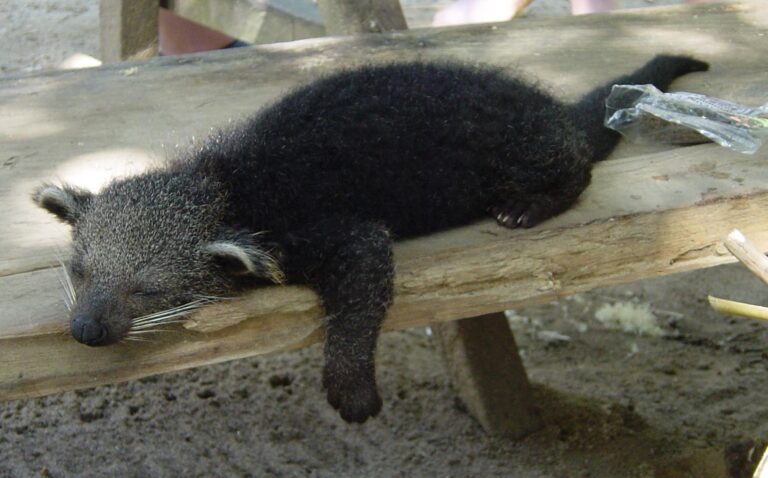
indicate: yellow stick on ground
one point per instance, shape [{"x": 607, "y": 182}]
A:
[{"x": 738, "y": 308}]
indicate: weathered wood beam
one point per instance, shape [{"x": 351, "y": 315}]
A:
[
  {"x": 128, "y": 29},
  {"x": 87, "y": 125},
  {"x": 53, "y": 125},
  {"x": 462, "y": 273},
  {"x": 486, "y": 268},
  {"x": 350, "y": 17}
]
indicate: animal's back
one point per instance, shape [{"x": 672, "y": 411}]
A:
[{"x": 415, "y": 146}]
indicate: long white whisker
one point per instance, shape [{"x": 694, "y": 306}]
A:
[
  {"x": 70, "y": 297},
  {"x": 133, "y": 333},
  {"x": 213, "y": 298},
  {"x": 153, "y": 325},
  {"x": 189, "y": 305},
  {"x": 175, "y": 318},
  {"x": 136, "y": 339},
  {"x": 163, "y": 317},
  {"x": 164, "y": 314},
  {"x": 67, "y": 299},
  {"x": 153, "y": 315},
  {"x": 149, "y": 323}
]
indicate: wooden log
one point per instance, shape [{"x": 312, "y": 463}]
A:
[
  {"x": 350, "y": 17},
  {"x": 666, "y": 213},
  {"x": 128, "y": 29},
  {"x": 471, "y": 271},
  {"x": 89, "y": 125},
  {"x": 488, "y": 375},
  {"x": 473, "y": 266}
]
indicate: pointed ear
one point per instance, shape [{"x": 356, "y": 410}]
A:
[
  {"x": 240, "y": 258},
  {"x": 66, "y": 203}
]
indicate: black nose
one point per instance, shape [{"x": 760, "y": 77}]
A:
[{"x": 88, "y": 331}]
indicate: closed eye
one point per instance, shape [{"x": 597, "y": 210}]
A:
[{"x": 147, "y": 292}]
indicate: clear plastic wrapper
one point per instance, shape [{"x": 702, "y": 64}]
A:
[{"x": 642, "y": 113}]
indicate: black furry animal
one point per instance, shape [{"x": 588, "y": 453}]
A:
[{"x": 314, "y": 188}]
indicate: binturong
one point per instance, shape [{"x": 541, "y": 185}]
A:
[{"x": 314, "y": 189}]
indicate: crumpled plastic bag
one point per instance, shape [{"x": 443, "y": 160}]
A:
[{"x": 642, "y": 113}]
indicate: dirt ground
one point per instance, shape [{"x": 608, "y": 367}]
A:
[{"x": 688, "y": 404}]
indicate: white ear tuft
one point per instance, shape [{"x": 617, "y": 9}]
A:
[
  {"x": 238, "y": 259},
  {"x": 232, "y": 253}
]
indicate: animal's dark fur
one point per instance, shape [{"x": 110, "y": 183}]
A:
[{"x": 331, "y": 173}]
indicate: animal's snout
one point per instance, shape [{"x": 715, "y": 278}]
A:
[{"x": 86, "y": 330}]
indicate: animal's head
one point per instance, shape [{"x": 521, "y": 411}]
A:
[{"x": 148, "y": 250}]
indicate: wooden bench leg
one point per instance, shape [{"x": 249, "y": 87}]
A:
[
  {"x": 488, "y": 375},
  {"x": 350, "y": 17},
  {"x": 128, "y": 29}
]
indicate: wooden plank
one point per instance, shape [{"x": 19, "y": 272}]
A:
[
  {"x": 642, "y": 185},
  {"x": 485, "y": 268},
  {"x": 488, "y": 375},
  {"x": 351, "y": 17},
  {"x": 521, "y": 268},
  {"x": 128, "y": 29},
  {"x": 86, "y": 126},
  {"x": 33, "y": 304}
]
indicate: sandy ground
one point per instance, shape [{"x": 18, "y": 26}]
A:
[{"x": 688, "y": 404}]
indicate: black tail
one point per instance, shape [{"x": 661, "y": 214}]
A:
[{"x": 660, "y": 72}]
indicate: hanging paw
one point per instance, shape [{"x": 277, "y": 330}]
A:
[{"x": 352, "y": 393}]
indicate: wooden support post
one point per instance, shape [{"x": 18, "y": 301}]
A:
[
  {"x": 487, "y": 373},
  {"x": 128, "y": 29},
  {"x": 350, "y": 17}
]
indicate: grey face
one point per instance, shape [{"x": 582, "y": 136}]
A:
[
  {"x": 146, "y": 253},
  {"x": 119, "y": 293}
]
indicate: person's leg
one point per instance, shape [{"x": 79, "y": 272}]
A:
[
  {"x": 478, "y": 11},
  {"x": 580, "y": 7},
  {"x": 179, "y": 35}
]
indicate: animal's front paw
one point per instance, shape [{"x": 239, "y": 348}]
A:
[
  {"x": 354, "y": 395},
  {"x": 522, "y": 213}
]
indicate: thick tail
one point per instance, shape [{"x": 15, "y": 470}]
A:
[{"x": 660, "y": 72}]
